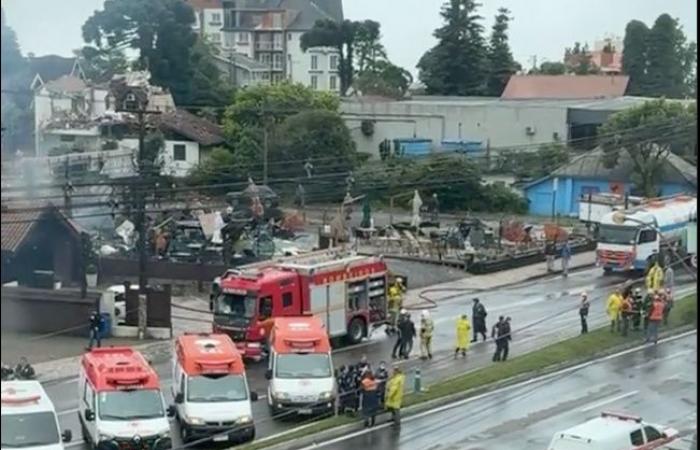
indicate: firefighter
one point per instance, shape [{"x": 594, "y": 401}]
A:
[
  {"x": 394, "y": 395},
  {"x": 655, "y": 277},
  {"x": 613, "y": 309},
  {"x": 626, "y": 313},
  {"x": 399, "y": 344},
  {"x": 396, "y": 292},
  {"x": 96, "y": 325},
  {"x": 408, "y": 333},
  {"x": 426, "y": 335},
  {"x": 463, "y": 328},
  {"x": 503, "y": 338},
  {"x": 656, "y": 315}
]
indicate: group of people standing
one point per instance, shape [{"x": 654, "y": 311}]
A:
[
  {"x": 551, "y": 252},
  {"x": 362, "y": 389}
]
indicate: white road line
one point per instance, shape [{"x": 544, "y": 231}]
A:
[
  {"x": 67, "y": 411},
  {"x": 667, "y": 357},
  {"x": 606, "y": 401}
]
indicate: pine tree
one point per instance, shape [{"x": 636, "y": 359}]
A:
[
  {"x": 457, "y": 64},
  {"x": 666, "y": 53},
  {"x": 634, "y": 57},
  {"x": 500, "y": 58}
]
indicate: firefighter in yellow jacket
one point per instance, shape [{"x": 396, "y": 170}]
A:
[
  {"x": 426, "y": 335},
  {"x": 655, "y": 277},
  {"x": 396, "y": 292},
  {"x": 394, "y": 395},
  {"x": 614, "y": 309},
  {"x": 463, "y": 328}
]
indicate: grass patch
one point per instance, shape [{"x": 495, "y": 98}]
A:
[{"x": 580, "y": 347}]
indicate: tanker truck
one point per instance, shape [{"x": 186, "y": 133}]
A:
[{"x": 633, "y": 239}]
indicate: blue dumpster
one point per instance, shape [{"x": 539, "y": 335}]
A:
[{"x": 106, "y": 325}]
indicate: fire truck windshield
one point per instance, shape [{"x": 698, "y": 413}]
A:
[
  {"x": 131, "y": 405},
  {"x": 313, "y": 365},
  {"x": 617, "y": 234},
  {"x": 29, "y": 430},
  {"x": 226, "y": 388},
  {"x": 235, "y": 305}
]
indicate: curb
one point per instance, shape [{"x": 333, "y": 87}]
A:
[{"x": 415, "y": 409}]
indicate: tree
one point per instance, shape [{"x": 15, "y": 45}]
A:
[
  {"x": 550, "y": 68},
  {"x": 579, "y": 60},
  {"x": 12, "y": 62},
  {"x": 500, "y": 58},
  {"x": 667, "y": 58},
  {"x": 384, "y": 79},
  {"x": 368, "y": 47},
  {"x": 457, "y": 64},
  {"x": 161, "y": 32},
  {"x": 341, "y": 36},
  {"x": 100, "y": 65},
  {"x": 634, "y": 56},
  {"x": 646, "y": 135}
]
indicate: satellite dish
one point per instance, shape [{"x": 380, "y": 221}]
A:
[{"x": 619, "y": 218}]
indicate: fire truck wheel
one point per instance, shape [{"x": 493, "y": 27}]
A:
[
  {"x": 607, "y": 271},
  {"x": 356, "y": 331}
]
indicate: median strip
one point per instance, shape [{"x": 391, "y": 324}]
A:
[{"x": 551, "y": 358}]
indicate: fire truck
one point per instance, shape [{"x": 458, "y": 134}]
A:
[{"x": 345, "y": 291}]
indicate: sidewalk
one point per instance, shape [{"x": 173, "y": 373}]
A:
[
  {"x": 66, "y": 364},
  {"x": 500, "y": 279}
]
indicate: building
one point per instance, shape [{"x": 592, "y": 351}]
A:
[
  {"x": 559, "y": 193},
  {"x": 269, "y": 32},
  {"x": 44, "y": 69},
  {"x": 562, "y": 87},
  {"x": 44, "y": 240},
  {"x": 488, "y": 125},
  {"x": 78, "y": 129}
]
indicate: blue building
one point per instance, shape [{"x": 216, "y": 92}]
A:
[{"x": 559, "y": 192}]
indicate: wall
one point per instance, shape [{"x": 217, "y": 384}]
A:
[
  {"x": 500, "y": 124},
  {"x": 84, "y": 141},
  {"x": 570, "y": 190},
  {"x": 31, "y": 310},
  {"x": 211, "y": 29},
  {"x": 170, "y": 166}
]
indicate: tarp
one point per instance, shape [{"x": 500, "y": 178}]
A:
[{"x": 212, "y": 224}]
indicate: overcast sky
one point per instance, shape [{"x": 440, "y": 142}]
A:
[{"x": 540, "y": 27}]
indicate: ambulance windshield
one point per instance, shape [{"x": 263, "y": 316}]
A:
[
  {"x": 314, "y": 365},
  {"x": 29, "y": 430},
  {"x": 131, "y": 405},
  {"x": 236, "y": 305},
  {"x": 227, "y": 388}
]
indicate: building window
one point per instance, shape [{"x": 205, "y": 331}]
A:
[
  {"x": 277, "y": 40},
  {"x": 333, "y": 83},
  {"x": 277, "y": 61},
  {"x": 314, "y": 62},
  {"x": 314, "y": 82},
  {"x": 228, "y": 40},
  {"x": 67, "y": 138},
  {"x": 265, "y": 58},
  {"x": 334, "y": 62},
  {"x": 215, "y": 19},
  {"x": 179, "y": 152},
  {"x": 215, "y": 38},
  {"x": 243, "y": 38}
]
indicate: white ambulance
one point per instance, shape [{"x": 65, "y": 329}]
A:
[
  {"x": 29, "y": 418},
  {"x": 613, "y": 431},
  {"x": 300, "y": 368},
  {"x": 210, "y": 389},
  {"x": 120, "y": 401}
]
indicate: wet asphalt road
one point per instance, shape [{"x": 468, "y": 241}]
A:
[
  {"x": 657, "y": 383},
  {"x": 543, "y": 311}
]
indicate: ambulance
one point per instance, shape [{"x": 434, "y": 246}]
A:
[
  {"x": 300, "y": 368},
  {"x": 210, "y": 389},
  {"x": 120, "y": 401},
  {"x": 29, "y": 418},
  {"x": 613, "y": 431}
]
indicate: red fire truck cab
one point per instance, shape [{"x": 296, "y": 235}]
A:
[{"x": 345, "y": 291}]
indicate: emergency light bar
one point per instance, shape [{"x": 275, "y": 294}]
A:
[
  {"x": 20, "y": 400},
  {"x": 301, "y": 343},
  {"x": 621, "y": 416},
  {"x": 215, "y": 367}
]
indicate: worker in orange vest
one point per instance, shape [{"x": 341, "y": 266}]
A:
[{"x": 656, "y": 315}]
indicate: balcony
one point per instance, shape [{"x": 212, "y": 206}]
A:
[{"x": 267, "y": 46}]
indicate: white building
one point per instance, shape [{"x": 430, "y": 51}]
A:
[
  {"x": 269, "y": 33},
  {"x": 77, "y": 126}
]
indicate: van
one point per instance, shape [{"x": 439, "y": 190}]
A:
[
  {"x": 210, "y": 389},
  {"x": 300, "y": 368},
  {"x": 120, "y": 401},
  {"x": 29, "y": 418},
  {"x": 613, "y": 431}
]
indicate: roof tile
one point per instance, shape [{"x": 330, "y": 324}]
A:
[{"x": 565, "y": 87}]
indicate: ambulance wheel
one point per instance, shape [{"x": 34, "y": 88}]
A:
[
  {"x": 356, "y": 331},
  {"x": 184, "y": 434}
]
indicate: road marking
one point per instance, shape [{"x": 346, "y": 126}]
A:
[
  {"x": 606, "y": 401},
  {"x": 486, "y": 394},
  {"x": 654, "y": 360},
  {"x": 67, "y": 411}
]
